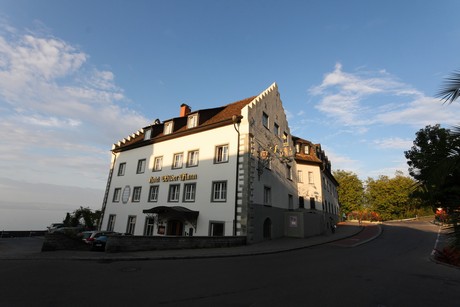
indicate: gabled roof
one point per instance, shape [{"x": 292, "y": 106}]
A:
[
  {"x": 207, "y": 119},
  {"x": 306, "y": 158}
]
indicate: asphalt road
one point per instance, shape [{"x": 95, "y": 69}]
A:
[{"x": 392, "y": 270}]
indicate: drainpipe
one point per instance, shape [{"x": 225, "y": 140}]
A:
[
  {"x": 107, "y": 188},
  {"x": 236, "y": 122}
]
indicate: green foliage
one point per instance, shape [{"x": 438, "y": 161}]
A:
[
  {"x": 83, "y": 216},
  {"x": 391, "y": 197},
  {"x": 350, "y": 190}
]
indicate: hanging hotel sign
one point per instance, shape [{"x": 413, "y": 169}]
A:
[{"x": 172, "y": 178}]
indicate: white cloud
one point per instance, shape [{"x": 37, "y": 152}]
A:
[
  {"x": 364, "y": 98},
  {"x": 393, "y": 143},
  {"x": 59, "y": 116}
]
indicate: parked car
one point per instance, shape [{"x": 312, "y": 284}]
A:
[
  {"x": 99, "y": 243},
  {"x": 54, "y": 226},
  {"x": 90, "y": 236},
  {"x": 69, "y": 230}
]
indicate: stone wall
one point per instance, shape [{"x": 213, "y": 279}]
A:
[
  {"x": 146, "y": 243},
  {"x": 60, "y": 241}
]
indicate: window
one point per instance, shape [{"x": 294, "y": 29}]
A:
[
  {"x": 276, "y": 130},
  {"x": 291, "y": 202},
  {"x": 265, "y": 120},
  {"x": 177, "y": 160},
  {"x": 149, "y": 224},
  {"x": 299, "y": 176},
  {"x": 192, "y": 121},
  {"x": 136, "y": 194},
  {"x": 140, "y": 166},
  {"x": 153, "y": 193},
  {"x": 121, "y": 169},
  {"x": 310, "y": 178},
  {"x": 306, "y": 149},
  {"x": 289, "y": 172},
  {"x": 312, "y": 203},
  {"x": 189, "y": 192},
  {"x": 157, "y": 164},
  {"x": 174, "y": 190},
  {"x": 216, "y": 229},
  {"x": 285, "y": 139},
  {"x": 116, "y": 195},
  {"x": 192, "y": 158},
  {"x": 301, "y": 202},
  {"x": 267, "y": 196},
  {"x": 131, "y": 224},
  {"x": 168, "y": 128},
  {"x": 111, "y": 222},
  {"x": 147, "y": 134},
  {"x": 297, "y": 148},
  {"x": 221, "y": 154},
  {"x": 219, "y": 191}
]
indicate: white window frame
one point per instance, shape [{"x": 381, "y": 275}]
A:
[
  {"x": 174, "y": 193},
  {"x": 193, "y": 158},
  {"x": 299, "y": 176},
  {"x": 141, "y": 166},
  {"x": 121, "y": 169},
  {"x": 158, "y": 164},
  {"x": 219, "y": 191},
  {"x": 189, "y": 192},
  {"x": 111, "y": 222},
  {"x": 311, "y": 179},
  {"x": 131, "y": 224},
  {"x": 154, "y": 191},
  {"x": 221, "y": 154},
  {"x": 149, "y": 226},
  {"x": 168, "y": 128},
  {"x": 116, "y": 195},
  {"x": 137, "y": 191},
  {"x": 192, "y": 121},
  {"x": 178, "y": 160}
]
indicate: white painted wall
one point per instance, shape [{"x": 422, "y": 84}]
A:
[{"x": 207, "y": 172}]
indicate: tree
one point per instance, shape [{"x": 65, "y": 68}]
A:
[
  {"x": 83, "y": 216},
  {"x": 391, "y": 197},
  {"x": 451, "y": 89},
  {"x": 434, "y": 162},
  {"x": 350, "y": 190}
]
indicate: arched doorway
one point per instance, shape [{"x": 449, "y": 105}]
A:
[
  {"x": 267, "y": 228},
  {"x": 175, "y": 228}
]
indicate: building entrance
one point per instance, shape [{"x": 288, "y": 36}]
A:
[
  {"x": 267, "y": 229},
  {"x": 175, "y": 228}
]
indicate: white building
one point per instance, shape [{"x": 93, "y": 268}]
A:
[
  {"x": 316, "y": 185},
  {"x": 225, "y": 171}
]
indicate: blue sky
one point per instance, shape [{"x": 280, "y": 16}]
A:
[{"x": 359, "y": 77}]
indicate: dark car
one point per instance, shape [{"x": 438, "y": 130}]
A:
[{"x": 99, "y": 243}]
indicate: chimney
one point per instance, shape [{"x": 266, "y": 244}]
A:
[{"x": 184, "y": 110}]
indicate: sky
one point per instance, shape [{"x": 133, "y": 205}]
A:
[{"x": 358, "y": 77}]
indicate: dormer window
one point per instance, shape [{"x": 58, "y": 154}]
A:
[
  {"x": 147, "y": 134},
  {"x": 192, "y": 121},
  {"x": 297, "y": 148},
  {"x": 306, "y": 149},
  {"x": 168, "y": 128}
]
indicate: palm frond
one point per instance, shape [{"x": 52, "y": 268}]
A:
[{"x": 451, "y": 88}]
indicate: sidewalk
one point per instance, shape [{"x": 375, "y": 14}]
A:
[{"x": 33, "y": 251}]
